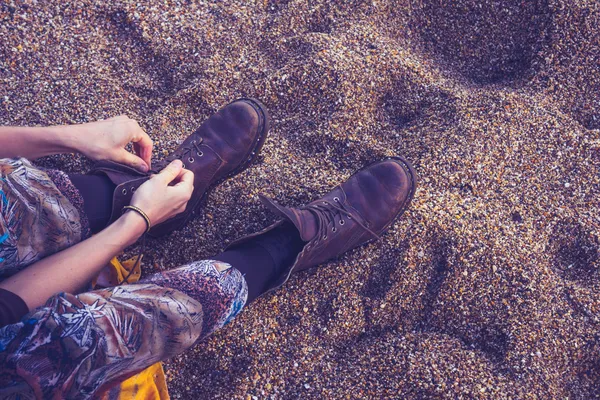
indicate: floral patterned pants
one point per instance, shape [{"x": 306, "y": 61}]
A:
[{"x": 77, "y": 346}]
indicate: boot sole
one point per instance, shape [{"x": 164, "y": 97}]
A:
[{"x": 261, "y": 110}]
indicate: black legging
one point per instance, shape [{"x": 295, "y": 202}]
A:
[
  {"x": 260, "y": 260},
  {"x": 97, "y": 192}
]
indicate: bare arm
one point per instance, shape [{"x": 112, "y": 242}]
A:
[
  {"x": 71, "y": 269},
  {"x": 161, "y": 197},
  {"x": 35, "y": 142},
  {"x": 100, "y": 140}
]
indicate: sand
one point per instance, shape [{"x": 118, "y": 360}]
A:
[{"x": 488, "y": 287}]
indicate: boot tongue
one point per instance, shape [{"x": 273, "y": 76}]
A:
[
  {"x": 117, "y": 173},
  {"x": 303, "y": 220}
]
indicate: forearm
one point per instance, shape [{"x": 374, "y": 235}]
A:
[
  {"x": 35, "y": 142},
  {"x": 71, "y": 269}
]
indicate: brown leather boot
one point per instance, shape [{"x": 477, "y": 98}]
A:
[
  {"x": 352, "y": 214},
  {"x": 224, "y": 145}
]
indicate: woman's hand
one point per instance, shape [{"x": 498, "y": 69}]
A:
[
  {"x": 100, "y": 140},
  {"x": 106, "y": 140},
  {"x": 159, "y": 199}
]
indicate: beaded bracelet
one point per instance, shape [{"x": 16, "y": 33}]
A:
[{"x": 142, "y": 213}]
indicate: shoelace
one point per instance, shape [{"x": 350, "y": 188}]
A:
[
  {"x": 326, "y": 214},
  {"x": 138, "y": 259},
  {"x": 185, "y": 154}
]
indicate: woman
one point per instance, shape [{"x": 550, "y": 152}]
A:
[{"x": 58, "y": 340}]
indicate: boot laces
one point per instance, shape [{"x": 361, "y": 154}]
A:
[
  {"x": 187, "y": 153},
  {"x": 327, "y": 213}
]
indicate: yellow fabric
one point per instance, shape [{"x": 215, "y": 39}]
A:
[
  {"x": 116, "y": 273},
  {"x": 150, "y": 384}
]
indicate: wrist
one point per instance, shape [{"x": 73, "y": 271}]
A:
[
  {"x": 132, "y": 225},
  {"x": 66, "y": 137}
]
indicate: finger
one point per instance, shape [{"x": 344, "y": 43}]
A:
[
  {"x": 132, "y": 160},
  {"x": 185, "y": 178},
  {"x": 144, "y": 154},
  {"x": 143, "y": 146},
  {"x": 170, "y": 172},
  {"x": 186, "y": 182}
]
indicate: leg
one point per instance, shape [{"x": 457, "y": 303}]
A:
[
  {"x": 264, "y": 259},
  {"x": 82, "y": 345},
  {"x": 97, "y": 193}
]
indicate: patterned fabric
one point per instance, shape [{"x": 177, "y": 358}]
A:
[
  {"x": 36, "y": 218},
  {"x": 78, "y": 346},
  {"x": 67, "y": 188}
]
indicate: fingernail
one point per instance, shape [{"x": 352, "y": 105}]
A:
[
  {"x": 144, "y": 168},
  {"x": 177, "y": 163}
]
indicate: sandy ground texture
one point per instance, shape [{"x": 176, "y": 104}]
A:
[{"x": 488, "y": 287}]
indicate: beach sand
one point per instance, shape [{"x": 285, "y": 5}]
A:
[{"x": 487, "y": 287}]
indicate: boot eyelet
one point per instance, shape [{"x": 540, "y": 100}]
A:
[
  {"x": 124, "y": 191},
  {"x": 336, "y": 199},
  {"x": 325, "y": 237},
  {"x": 349, "y": 216},
  {"x": 325, "y": 202},
  {"x": 191, "y": 160},
  {"x": 334, "y": 229},
  {"x": 183, "y": 166},
  {"x": 342, "y": 222},
  {"x": 199, "y": 154},
  {"x": 132, "y": 190}
]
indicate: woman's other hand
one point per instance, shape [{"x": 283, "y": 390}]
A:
[
  {"x": 106, "y": 140},
  {"x": 165, "y": 194}
]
